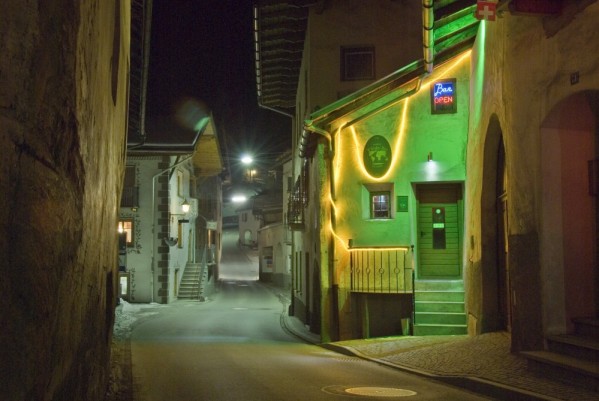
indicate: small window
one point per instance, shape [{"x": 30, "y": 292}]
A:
[
  {"x": 357, "y": 63},
  {"x": 380, "y": 205},
  {"x": 126, "y": 226},
  {"x": 179, "y": 183}
]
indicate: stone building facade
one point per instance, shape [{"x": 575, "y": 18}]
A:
[{"x": 63, "y": 112}]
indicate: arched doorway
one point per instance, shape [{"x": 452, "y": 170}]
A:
[
  {"x": 496, "y": 305},
  {"x": 569, "y": 170}
]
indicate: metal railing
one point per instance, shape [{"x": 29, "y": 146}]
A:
[
  {"x": 130, "y": 197},
  {"x": 381, "y": 269}
]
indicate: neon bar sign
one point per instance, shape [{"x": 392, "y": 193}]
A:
[{"x": 443, "y": 96}]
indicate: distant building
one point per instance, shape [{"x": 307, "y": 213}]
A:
[{"x": 173, "y": 168}]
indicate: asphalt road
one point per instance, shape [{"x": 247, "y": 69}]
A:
[{"x": 233, "y": 347}]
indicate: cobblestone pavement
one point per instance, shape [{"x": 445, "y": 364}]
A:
[{"x": 482, "y": 363}]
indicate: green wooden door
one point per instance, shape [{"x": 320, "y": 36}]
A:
[{"x": 439, "y": 236}]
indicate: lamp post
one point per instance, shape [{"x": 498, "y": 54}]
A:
[{"x": 248, "y": 160}]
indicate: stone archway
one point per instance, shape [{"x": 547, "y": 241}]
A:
[
  {"x": 495, "y": 302},
  {"x": 568, "y": 222}
]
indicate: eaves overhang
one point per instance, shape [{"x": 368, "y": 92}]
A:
[{"x": 279, "y": 29}]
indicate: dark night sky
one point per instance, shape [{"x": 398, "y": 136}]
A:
[{"x": 203, "y": 49}]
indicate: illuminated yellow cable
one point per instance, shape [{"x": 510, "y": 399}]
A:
[
  {"x": 453, "y": 66},
  {"x": 343, "y": 243},
  {"x": 396, "y": 151},
  {"x": 389, "y": 248}
]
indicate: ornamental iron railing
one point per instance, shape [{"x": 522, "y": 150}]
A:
[{"x": 381, "y": 269}]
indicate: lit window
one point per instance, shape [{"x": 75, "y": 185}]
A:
[
  {"x": 126, "y": 226},
  {"x": 357, "y": 63},
  {"x": 380, "y": 205}
]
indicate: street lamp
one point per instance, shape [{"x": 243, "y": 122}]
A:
[
  {"x": 185, "y": 206},
  {"x": 247, "y": 160}
]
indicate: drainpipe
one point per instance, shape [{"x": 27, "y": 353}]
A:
[
  {"x": 428, "y": 20},
  {"x": 310, "y": 127},
  {"x": 154, "y": 216}
]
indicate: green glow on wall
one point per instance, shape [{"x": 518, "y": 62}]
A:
[{"x": 479, "y": 75}]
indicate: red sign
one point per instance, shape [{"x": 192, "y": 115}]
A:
[{"x": 486, "y": 10}]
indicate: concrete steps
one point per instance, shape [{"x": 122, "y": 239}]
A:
[
  {"x": 439, "y": 308},
  {"x": 189, "y": 286},
  {"x": 570, "y": 358}
]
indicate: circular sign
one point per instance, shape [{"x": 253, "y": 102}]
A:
[{"x": 377, "y": 156}]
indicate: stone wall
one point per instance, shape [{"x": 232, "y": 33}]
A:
[{"x": 63, "y": 91}]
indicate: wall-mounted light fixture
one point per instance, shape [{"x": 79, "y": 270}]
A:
[
  {"x": 429, "y": 157},
  {"x": 185, "y": 206}
]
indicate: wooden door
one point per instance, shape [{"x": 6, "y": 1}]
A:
[{"x": 439, "y": 231}]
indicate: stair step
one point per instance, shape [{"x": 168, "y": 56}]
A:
[
  {"x": 439, "y": 306},
  {"x": 441, "y": 318},
  {"x": 439, "y": 285},
  {"x": 564, "y": 368},
  {"x": 580, "y": 347},
  {"x": 451, "y": 296},
  {"x": 439, "y": 330}
]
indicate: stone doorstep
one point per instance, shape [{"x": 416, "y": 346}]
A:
[
  {"x": 564, "y": 368},
  {"x": 574, "y": 345}
]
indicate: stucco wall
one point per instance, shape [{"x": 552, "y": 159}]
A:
[
  {"x": 63, "y": 99},
  {"x": 520, "y": 71}
]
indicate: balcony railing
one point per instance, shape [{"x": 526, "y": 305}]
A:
[
  {"x": 130, "y": 197},
  {"x": 381, "y": 270},
  {"x": 298, "y": 200}
]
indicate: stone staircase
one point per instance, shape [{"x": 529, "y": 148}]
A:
[
  {"x": 190, "y": 285},
  {"x": 439, "y": 308},
  {"x": 570, "y": 358}
]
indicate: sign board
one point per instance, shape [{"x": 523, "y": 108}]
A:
[
  {"x": 377, "y": 156},
  {"x": 444, "y": 96},
  {"x": 211, "y": 225}
]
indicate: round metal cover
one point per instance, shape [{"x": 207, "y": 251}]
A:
[{"x": 379, "y": 391}]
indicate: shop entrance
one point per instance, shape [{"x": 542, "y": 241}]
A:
[{"x": 439, "y": 231}]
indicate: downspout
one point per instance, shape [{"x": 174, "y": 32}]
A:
[
  {"x": 310, "y": 127},
  {"x": 428, "y": 40},
  {"x": 154, "y": 216}
]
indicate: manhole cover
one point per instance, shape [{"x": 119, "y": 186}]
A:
[
  {"x": 369, "y": 391},
  {"x": 379, "y": 391}
]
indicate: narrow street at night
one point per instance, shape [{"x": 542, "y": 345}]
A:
[{"x": 233, "y": 347}]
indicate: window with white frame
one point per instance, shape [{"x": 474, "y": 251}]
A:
[
  {"x": 377, "y": 201},
  {"x": 380, "y": 205}
]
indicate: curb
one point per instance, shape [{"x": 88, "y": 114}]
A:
[{"x": 474, "y": 384}]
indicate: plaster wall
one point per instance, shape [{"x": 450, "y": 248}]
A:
[
  {"x": 412, "y": 132},
  {"x": 183, "y": 251},
  {"x": 521, "y": 69},
  {"x": 139, "y": 257},
  {"x": 63, "y": 101},
  {"x": 386, "y": 25}
]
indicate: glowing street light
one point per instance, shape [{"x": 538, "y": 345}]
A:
[
  {"x": 247, "y": 159},
  {"x": 239, "y": 198}
]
